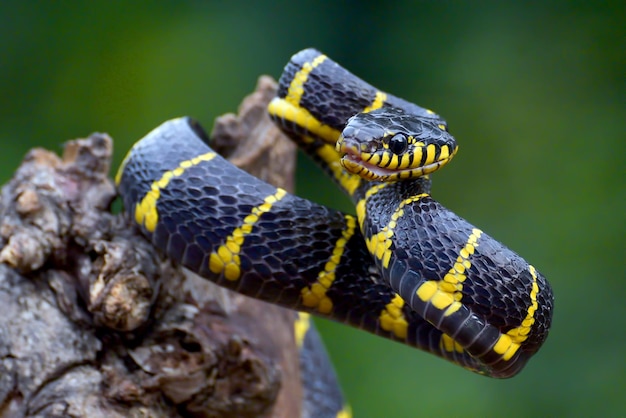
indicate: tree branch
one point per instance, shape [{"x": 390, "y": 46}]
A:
[{"x": 95, "y": 323}]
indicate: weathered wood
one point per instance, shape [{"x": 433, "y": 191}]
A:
[{"x": 94, "y": 323}]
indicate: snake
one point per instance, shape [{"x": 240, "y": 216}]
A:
[{"x": 402, "y": 267}]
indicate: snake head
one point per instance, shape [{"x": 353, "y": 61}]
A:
[{"x": 388, "y": 144}]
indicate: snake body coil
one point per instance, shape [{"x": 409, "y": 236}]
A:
[
  {"x": 404, "y": 268},
  {"x": 487, "y": 302}
]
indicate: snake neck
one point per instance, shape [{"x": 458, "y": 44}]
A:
[
  {"x": 377, "y": 202},
  {"x": 393, "y": 192}
]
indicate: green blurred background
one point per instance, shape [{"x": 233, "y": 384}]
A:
[{"x": 534, "y": 93}]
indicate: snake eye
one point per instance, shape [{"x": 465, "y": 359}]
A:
[{"x": 398, "y": 144}]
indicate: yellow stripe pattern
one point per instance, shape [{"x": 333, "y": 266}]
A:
[
  {"x": 345, "y": 412},
  {"x": 300, "y": 327},
  {"x": 392, "y": 318},
  {"x": 146, "y": 213},
  {"x": 379, "y": 244},
  {"x": 448, "y": 344},
  {"x": 508, "y": 344},
  {"x": 446, "y": 294},
  {"x": 361, "y": 205},
  {"x": 226, "y": 257},
  {"x": 377, "y": 103},
  {"x": 283, "y": 109},
  {"x": 314, "y": 296},
  {"x": 289, "y": 108},
  {"x": 296, "y": 88}
]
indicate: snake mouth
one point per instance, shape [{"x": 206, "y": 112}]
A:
[{"x": 352, "y": 161}]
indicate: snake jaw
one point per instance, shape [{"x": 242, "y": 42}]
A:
[
  {"x": 352, "y": 161},
  {"x": 355, "y": 160}
]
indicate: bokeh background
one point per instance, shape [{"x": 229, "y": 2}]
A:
[{"x": 533, "y": 91}]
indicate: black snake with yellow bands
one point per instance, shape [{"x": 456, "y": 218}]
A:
[
  {"x": 404, "y": 267},
  {"x": 486, "y": 301}
]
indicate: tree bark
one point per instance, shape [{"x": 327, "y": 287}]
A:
[{"x": 93, "y": 322}]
